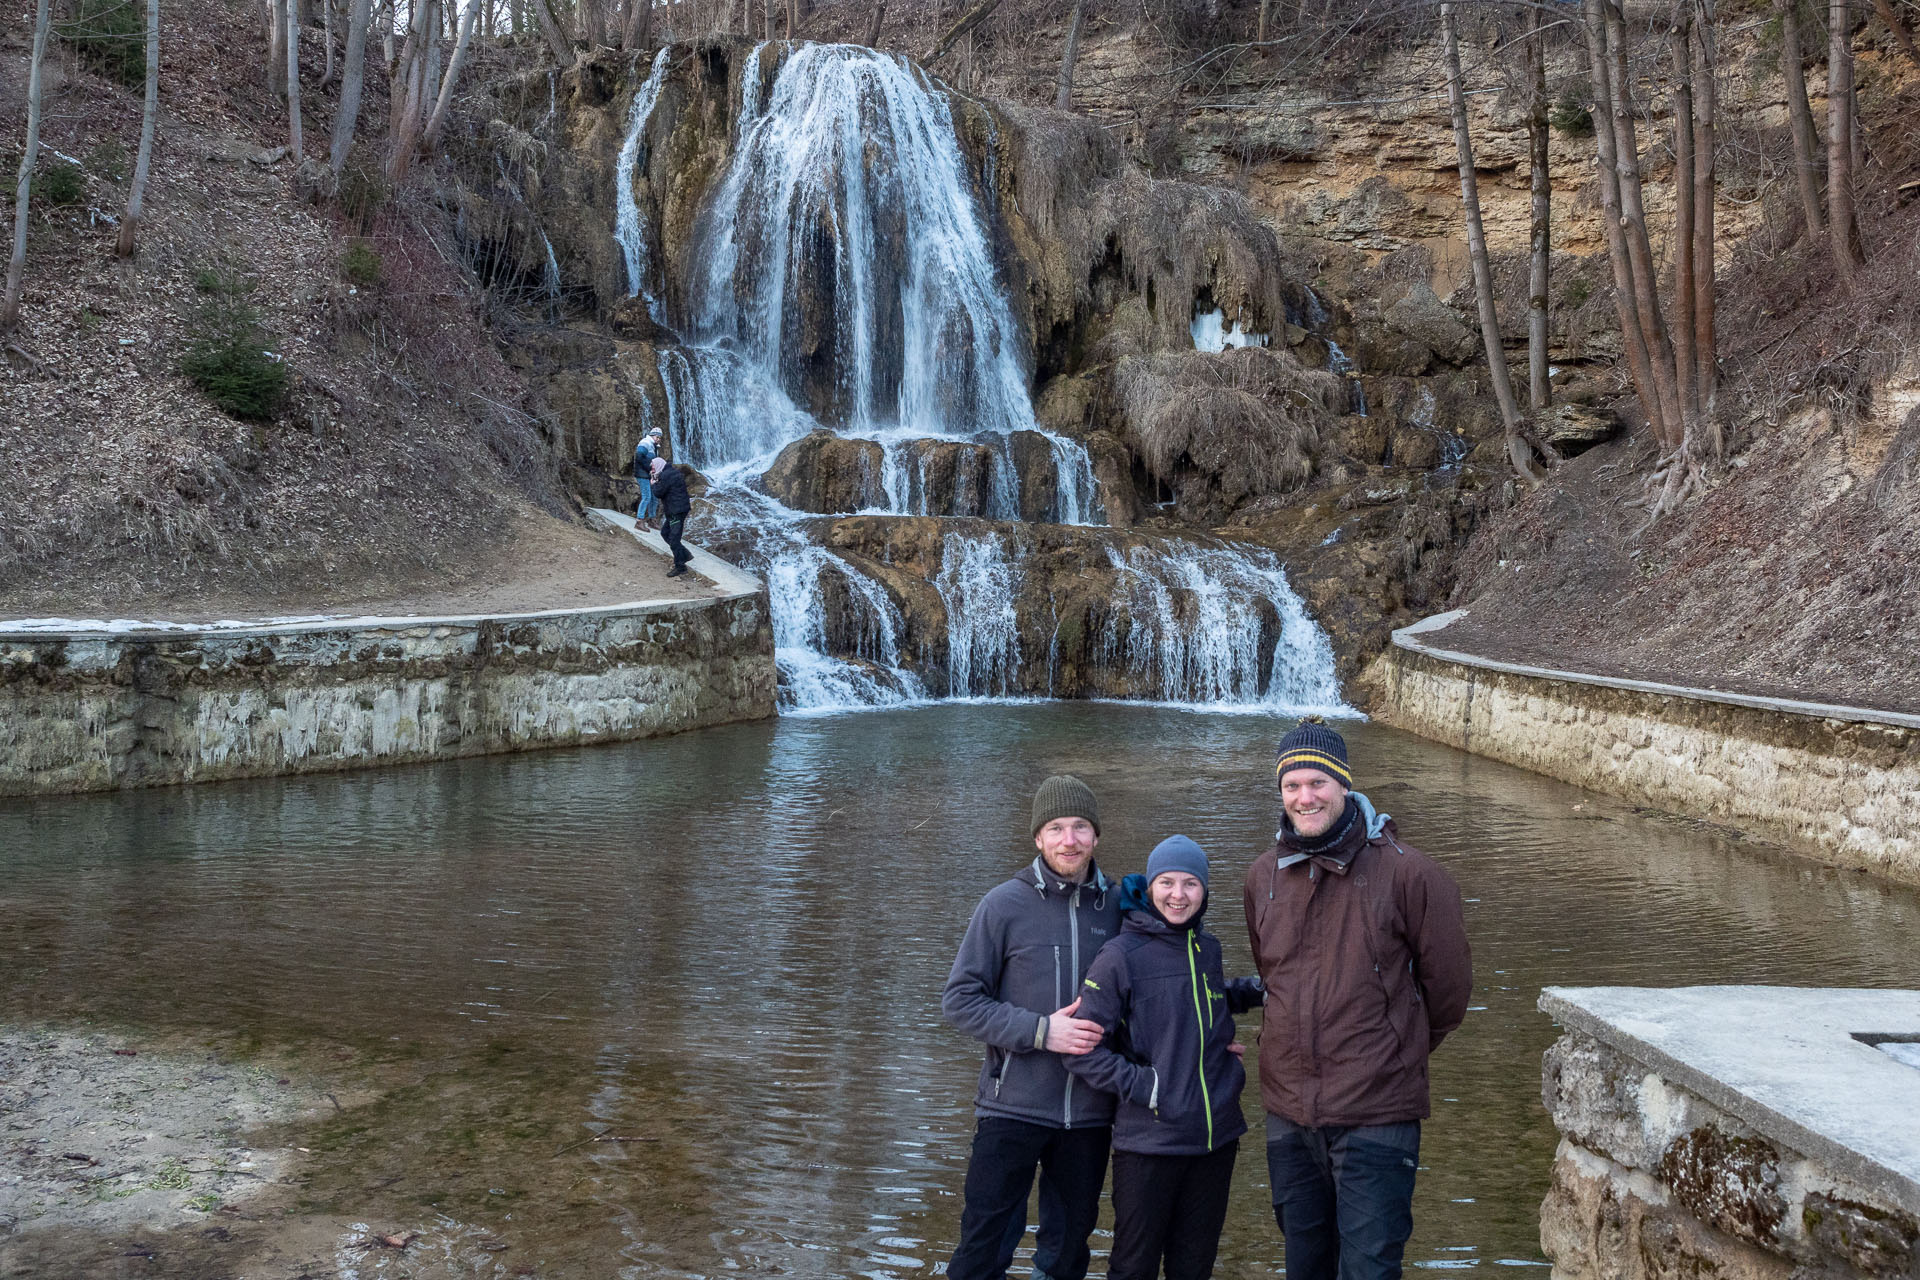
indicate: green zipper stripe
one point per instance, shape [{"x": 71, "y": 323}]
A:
[{"x": 1193, "y": 976}]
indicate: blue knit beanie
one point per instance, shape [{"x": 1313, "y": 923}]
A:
[{"x": 1177, "y": 853}]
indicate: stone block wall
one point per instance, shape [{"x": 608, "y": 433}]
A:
[
  {"x": 90, "y": 712},
  {"x": 1838, "y": 786}
]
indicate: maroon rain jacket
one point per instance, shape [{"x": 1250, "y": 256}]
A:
[{"x": 1363, "y": 952}]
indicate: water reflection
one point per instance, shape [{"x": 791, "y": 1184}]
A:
[{"x": 727, "y": 948}]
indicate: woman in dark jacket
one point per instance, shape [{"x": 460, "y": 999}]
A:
[
  {"x": 1171, "y": 1060},
  {"x": 675, "y": 502}
]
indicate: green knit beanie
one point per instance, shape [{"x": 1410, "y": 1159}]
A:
[{"x": 1064, "y": 796}]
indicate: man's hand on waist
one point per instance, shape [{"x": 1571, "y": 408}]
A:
[{"x": 1071, "y": 1035}]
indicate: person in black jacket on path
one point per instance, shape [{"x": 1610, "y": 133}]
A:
[
  {"x": 1170, "y": 1058},
  {"x": 675, "y": 502}
]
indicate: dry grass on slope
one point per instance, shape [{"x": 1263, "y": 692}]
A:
[
  {"x": 402, "y": 449},
  {"x": 1244, "y": 423}
]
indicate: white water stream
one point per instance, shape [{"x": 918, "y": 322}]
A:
[{"x": 848, "y": 234}]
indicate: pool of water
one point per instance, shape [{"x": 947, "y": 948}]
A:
[{"x": 730, "y": 945}]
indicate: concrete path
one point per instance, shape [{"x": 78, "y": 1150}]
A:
[
  {"x": 1415, "y": 639},
  {"x": 730, "y": 580}
]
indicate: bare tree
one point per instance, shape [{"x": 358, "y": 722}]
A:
[
  {"x": 1063, "y": 87},
  {"x": 968, "y": 21},
  {"x": 1705, "y": 76},
  {"x": 149, "y": 115},
  {"x": 1843, "y": 233},
  {"x": 1806, "y": 146},
  {"x": 1518, "y": 451},
  {"x": 326, "y": 38},
  {"x": 1540, "y": 228},
  {"x": 1901, "y": 35},
  {"x": 411, "y": 86},
  {"x": 17, "y": 266},
  {"x": 352, "y": 80},
  {"x": 454, "y": 64},
  {"x": 276, "y": 48},
  {"x": 550, "y": 29},
  {"x": 294, "y": 141}
]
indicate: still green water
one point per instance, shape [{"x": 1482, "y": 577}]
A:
[{"x": 732, "y": 943}]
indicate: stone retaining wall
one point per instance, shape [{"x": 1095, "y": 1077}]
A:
[
  {"x": 1836, "y": 782},
  {"x": 1734, "y": 1133},
  {"x": 93, "y": 711}
]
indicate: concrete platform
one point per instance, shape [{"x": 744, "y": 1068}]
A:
[{"x": 1798, "y": 1065}]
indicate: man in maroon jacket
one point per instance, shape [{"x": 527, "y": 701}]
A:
[{"x": 1361, "y": 943}]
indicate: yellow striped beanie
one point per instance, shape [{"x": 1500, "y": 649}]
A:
[{"x": 1312, "y": 745}]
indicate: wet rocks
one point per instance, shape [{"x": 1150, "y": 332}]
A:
[{"x": 824, "y": 473}]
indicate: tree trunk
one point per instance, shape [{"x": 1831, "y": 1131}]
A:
[
  {"x": 593, "y": 27},
  {"x": 1901, "y": 35},
  {"x": 634, "y": 37},
  {"x": 149, "y": 117},
  {"x": 1260, "y": 27},
  {"x": 1843, "y": 236},
  {"x": 415, "y": 69},
  {"x": 873, "y": 28},
  {"x": 1540, "y": 230},
  {"x": 550, "y": 28},
  {"x": 295, "y": 142},
  {"x": 276, "y": 48},
  {"x": 326, "y": 38},
  {"x": 793, "y": 19},
  {"x": 1518, "y": 451},
  {"x": 1706, "y": 154},
  {"x": 352, "y": 80},
  {"x": 968, "y": 21},
  {"x": 1633, "y": 213},
  {"x": 1600, "y": 72},
  {"x": 1063, "y": 87},
  {"x": 1680, "y": 49},
  {"x": 17, "y": 266},
  {"x": 460, "y": 48},
  {"x": 1806, "y": 146}
]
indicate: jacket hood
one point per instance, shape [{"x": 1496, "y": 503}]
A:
[
  {"x": 1138, "y": 913},
  {"x": 1374, "y": 824}
]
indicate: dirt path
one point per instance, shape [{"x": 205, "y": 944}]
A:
[{"x": 541, "y": 564}]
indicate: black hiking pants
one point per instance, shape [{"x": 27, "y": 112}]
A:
[
  {"x": 1072, "y": 1164},
  {"x": 1171, "y": 1209},
  {"x": 673, "y": 529}
]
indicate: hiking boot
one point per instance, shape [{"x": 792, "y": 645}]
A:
[{"x": 676, "y": 571}]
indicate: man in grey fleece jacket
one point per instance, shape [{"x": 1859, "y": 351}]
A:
[{"x": 1013, "y": 987}]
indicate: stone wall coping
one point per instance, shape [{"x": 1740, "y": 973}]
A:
[
  {"x": 1412, "y": 639},
  {"x": 733, "y": 584},
  {"x": 1783, "y": 1060}
]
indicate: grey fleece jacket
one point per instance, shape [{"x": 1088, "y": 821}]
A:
[{"x": 1025, "y": 954}]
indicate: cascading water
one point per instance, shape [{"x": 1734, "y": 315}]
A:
[
  {"x": 848, "y": 223},
  {"x": 977, "y": 582},
  {"x": 1201, "y": 618},
  {"x": 631, "y": 228}
]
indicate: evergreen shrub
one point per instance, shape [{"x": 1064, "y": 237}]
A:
[
  {"x": 110, "y": 37},
  {"x": 228, "y": 361}
]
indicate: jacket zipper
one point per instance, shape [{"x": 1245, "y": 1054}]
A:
[
  {"x": 1073, "y": 931},
  {"x": 1193, "y": 979}
]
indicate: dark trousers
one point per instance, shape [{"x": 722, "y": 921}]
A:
[
  {"x": 1343, "y": 1196},
  {"x": 1169, "y": 1208},
  {"x": 1072, "y": 1163},
  {"x": 673, "y": 529}
]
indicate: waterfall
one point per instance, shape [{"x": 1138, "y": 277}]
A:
[
  {"x": 631, "y": 228},
  {"x": 978, "y": 581},
  {"x": 840, "y": 274},
  {"x": 1342, "y": 364},
  {"x": 1214, "y": 645}
]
